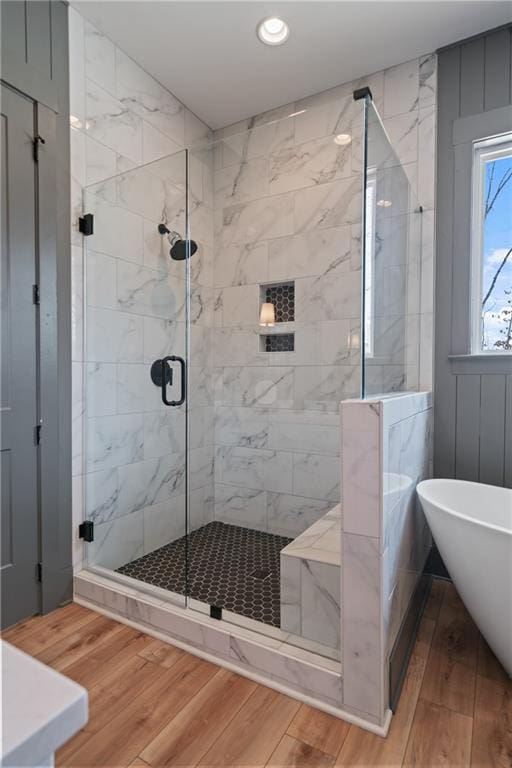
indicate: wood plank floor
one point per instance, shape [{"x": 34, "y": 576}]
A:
[{"x": 154, "y": 705}]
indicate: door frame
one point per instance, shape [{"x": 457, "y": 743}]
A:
[
  {"x": 54, "y": 277},
  {"x": 48, "y": 88},
  {"x": 21, "y": 588},
  {"x": 53, "y": 378}
]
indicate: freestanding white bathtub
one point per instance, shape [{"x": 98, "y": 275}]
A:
[{"x": 472, "y": 527}]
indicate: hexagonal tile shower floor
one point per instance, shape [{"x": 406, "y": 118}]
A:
[{"x": 229, "y": 567}]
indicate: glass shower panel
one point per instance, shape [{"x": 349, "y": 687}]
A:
[
  {"x": 276, "y": 209},
  {"x": 135, "y": 353},
  {"x": 391, "y": 267}
]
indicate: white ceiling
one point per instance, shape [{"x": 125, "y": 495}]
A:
[{"x": 208, "y": 55}]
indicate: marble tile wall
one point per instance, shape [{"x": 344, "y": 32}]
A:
[
  {"x": 128, "y": 449},
  {"x": 286, "y": 206},
  {"x": 407, "y": 460},
  {"x": 386, "y": 450},
  {"x": 287, "y": 203}
]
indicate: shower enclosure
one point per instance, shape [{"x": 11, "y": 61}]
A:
[{"x": 213, "y": 376}]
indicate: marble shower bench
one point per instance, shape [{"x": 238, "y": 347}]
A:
[{"x": 310, "y": 582}]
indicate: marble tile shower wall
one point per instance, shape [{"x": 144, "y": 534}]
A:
[
  {"x": 287, "y": 203},
  {"x": 133, "y": 486}
]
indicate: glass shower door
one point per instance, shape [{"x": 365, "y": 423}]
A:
[{"x": 134, "y": 375}]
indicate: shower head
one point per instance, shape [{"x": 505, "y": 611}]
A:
[{"x": 180, "y": 249}]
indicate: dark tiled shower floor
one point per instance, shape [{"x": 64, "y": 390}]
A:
[{"x": 230, "y": 567}]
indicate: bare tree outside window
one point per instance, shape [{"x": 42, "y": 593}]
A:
[{"x": 496, "y": 307}]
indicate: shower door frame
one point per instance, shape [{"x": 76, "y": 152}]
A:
[{"x": 173, "y": 598}]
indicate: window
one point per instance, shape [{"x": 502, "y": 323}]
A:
[{"x": 491, "y": 246}]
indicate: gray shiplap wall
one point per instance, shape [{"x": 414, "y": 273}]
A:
[{"x": 473, "y": 398}]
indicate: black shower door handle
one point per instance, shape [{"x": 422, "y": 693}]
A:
[{"x": 165, "y": 361}]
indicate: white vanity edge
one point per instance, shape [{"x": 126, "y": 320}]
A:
[{"x": 41, "y": 709}]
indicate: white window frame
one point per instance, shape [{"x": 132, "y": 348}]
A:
[{"x": 483, "y": 150}]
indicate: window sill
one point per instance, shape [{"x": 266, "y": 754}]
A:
[{"x": 493, "y": 363}]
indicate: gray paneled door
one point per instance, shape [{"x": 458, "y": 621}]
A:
[{"x": 18, "y": 381}]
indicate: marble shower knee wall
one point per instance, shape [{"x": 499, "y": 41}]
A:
[
  {"x": 273, "y": 200},
  {"x": 385, "y": 540}
]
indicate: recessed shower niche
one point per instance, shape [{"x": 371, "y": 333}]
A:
[
  {"x": 282, "y": 297},
  {"x": 277, "y": 306},
  {"x": 277, "y": 342}
]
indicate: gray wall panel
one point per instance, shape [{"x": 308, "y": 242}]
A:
[
  {"x": 468, "y": 427},
  {"x": 28, "y": 48},
  {"x": 14, "y": 45},
  {"x": 472, "y": 79},
  {"x": 508, "y": 434},
  {"x": 39, "y": 36},
  {"x": 444, "y": 412},
  {"x": 473, "y": 399},
  {"x": 497, "y": 70},
  {"x": 492, "y": 430}
]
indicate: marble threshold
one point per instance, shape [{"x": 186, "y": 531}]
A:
[
  {"x": 298, "y": 673},
  {"x": 330, "y": 656}
]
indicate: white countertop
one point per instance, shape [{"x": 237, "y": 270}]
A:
[{"x": 41, "y": 709}]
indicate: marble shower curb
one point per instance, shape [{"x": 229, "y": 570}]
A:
[{"x": 243, "y": 651}]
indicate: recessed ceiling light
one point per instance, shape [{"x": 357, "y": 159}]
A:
[
  {"x": 343, "y": 139},
  {"x": 384, "y": 203},
  {"x": 273, "y": 31}
]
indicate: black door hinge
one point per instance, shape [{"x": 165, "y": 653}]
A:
[
  {"x": 37, "y": 434},
  {"x": 37, "y": 141},
  {"x": 86, "y": 224},
  {"x": 39, "y": 572},
  {"x": 36, "y": 299},
  {"x": 86, "y": 530}
]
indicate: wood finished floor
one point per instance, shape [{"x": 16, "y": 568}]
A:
[{"x": 151, "y": 704}]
